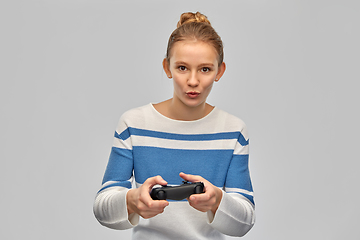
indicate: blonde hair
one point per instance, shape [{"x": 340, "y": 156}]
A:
[{"x": 195, "y": 26}]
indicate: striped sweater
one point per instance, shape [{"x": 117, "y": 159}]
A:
[{"x": 147, "y": 144}]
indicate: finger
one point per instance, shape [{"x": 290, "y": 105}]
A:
[
  {"x": 159, "y": 204},
  {"x": 151, "y": 212},
  {"x": 150, "y": 183},
  {"x": 155, "y": 180},
  {"x": 198, "y": 198},
  {"x": 154, "y": 207},
  {"x": 201, "y": 206},
  {"x": 191, "y": 178},
  {"x": 145, "y": 197}
]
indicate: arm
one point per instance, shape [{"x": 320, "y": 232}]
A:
[
  {"x": 110, "y": 206},
  {"x": 120, "y": 209},
  {"x": 236, "y": 213},
  {"x": 116, "y": 205},
  {"x": 232, "y": 211}
]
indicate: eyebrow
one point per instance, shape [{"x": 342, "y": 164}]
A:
[{"x": 201, "y": 65}]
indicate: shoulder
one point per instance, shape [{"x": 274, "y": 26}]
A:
[
  {"x": 136, "y": 113},
  {"x": 231, "y": 120},
  {"x": 232, "y": 123},
  {"x": 133, "y": 117}
]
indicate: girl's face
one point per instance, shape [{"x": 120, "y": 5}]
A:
[{"x": 194, "y": 68}]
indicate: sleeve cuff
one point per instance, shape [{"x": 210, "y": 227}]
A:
[
  {"x": 210, "y": 214},
  {"x": 133, "y": 219},
  {"x": 112, "y": 212},
  {"x": 235, "y": 215}
]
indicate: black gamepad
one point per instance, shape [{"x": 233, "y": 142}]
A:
[{"x": 177, "y": 192}]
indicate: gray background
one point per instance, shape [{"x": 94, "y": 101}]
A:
[{"x": 69, "y": 69}]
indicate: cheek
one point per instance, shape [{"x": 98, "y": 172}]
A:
[
  {"x": 177, "y": 84},
  {"x": 208, "y": 85}
]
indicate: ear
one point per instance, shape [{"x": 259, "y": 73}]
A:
[
  {"x": 221, "y": 71},
  {"x": 166, "y": 67}
]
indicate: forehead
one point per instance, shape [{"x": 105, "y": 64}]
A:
[{"x": 193, "y": 52}]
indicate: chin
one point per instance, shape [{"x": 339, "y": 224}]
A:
[
  {"x": 191, "y": 103},
  {"x": 194, "y": 104}
]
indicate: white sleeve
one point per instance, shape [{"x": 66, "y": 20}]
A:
[
  {"x": 235, "y": 215},
  {"x": 110, "y": 209}
]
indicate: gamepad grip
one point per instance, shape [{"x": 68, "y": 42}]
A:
[{"x": 177, "y": 192}]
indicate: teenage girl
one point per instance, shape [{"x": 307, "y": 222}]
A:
[{"x": 183, "y": 138}]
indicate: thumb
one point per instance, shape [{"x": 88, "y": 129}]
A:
[
  {"x": 190, "y": 178},
  {"x": 155, "y": 180}
]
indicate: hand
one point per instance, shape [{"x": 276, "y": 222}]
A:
[
  {"x": 209, "y": 200},
  {"x": 139, "y": 200}
]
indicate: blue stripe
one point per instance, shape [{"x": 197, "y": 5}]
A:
[
  {"x": 168, "y": 163},
  {"x": 184, "y": 137},
  {"x": 251, "y": 198},
  {"x": 120, "y": 165},
  {"x": 238, "y": 175},
  {"x": 242, "y": 140},
  {"x": 124, "y": 135}
]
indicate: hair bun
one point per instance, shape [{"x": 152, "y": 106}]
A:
[{"x": 190, "y": 17}]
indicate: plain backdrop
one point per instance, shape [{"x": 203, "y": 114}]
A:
[{"x": 70, "y": 68}]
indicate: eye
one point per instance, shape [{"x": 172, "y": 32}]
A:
[
  {"x": 182, "y": 68},
  {"x": 205, "y": 69}
]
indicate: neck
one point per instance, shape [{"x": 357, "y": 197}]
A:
[{"x": 178, "y": 111}]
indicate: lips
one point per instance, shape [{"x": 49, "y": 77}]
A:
[{"x": 192, "y": 94}]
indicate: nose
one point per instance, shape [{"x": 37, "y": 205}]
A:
[{"x": 193, "y": 80}]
